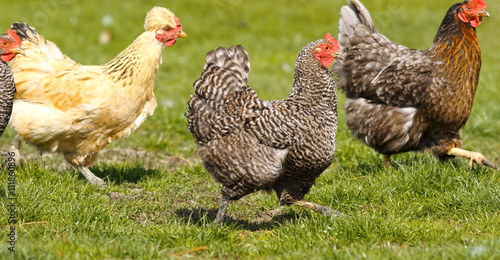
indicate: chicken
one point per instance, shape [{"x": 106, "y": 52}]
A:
[
  {"x": 401, "y": 99},
  {"x": 64, "y": 107},
  {"x": 10, "y": 45},
  {"x": 248, "y": 144}
]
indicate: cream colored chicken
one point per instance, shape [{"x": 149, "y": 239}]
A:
[{"x": 65, "y": 107}]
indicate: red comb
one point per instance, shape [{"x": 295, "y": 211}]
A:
[
  {"x": 14, "y": 36},
  {"x": 480, "y": 3},
  {"x": 328, "y": 37}
]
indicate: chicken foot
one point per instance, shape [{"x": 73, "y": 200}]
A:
[
  {"x": 324, "y": 210},
  {"x": 474, "y": 157},
  {"x": 13, "y": 152},
  {"x": 90, "y": 176}
]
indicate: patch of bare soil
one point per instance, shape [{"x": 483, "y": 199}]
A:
[{"x": 148, "y": 159}]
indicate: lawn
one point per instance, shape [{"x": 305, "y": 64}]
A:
[{"x": 160, "y": 201}]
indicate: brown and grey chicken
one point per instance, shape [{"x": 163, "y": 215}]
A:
[
  {"x": 10, "y": 45},
  {"x": 73, "y": 109},
  {"x": 248, "y": 144},
  {"x": 402, "y": 99}
]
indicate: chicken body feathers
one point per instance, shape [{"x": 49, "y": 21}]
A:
[{"x": 378, "y": 69}]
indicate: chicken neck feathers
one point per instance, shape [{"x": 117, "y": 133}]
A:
[{"x": 452, "y": 92}]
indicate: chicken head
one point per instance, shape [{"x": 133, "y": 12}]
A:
[
  {"x": 165, "y": 24},
  {"x": 10, "y": 45},
  {"x": 325, "y": 52},
  {"x": 472, "y": 12}
]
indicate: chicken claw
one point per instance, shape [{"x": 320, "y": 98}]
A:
[{"x": 474, "y": 157}]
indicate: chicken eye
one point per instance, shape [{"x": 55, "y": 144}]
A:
[
  {"x": 168, "y": 29},
  {"x": 469, "y": 8}
]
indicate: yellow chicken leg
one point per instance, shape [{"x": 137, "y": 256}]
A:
[
  {"x": 474, "y": 157},
  {"x": 90, "y": 176}
]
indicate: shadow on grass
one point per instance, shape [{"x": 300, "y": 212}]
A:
[
  {"x": 204, "y": 217},
  {"x": 121, "y": 174}
]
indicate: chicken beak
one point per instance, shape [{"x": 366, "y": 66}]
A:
[
  {"x": 182, "y": 34},
  {"x": 483, "y": 13},
  {"x": 18, "y": 51}
]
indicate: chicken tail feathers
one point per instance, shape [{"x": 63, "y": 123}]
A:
[
  {"x": 222, "y": 99},
  {"x": 233, "y": 58},
  {"x": 46, "y": 50},
  {"x": 225, "y": 71},
  {"x": 25, "y": 32},
  {"x": 351, "y": 16}
]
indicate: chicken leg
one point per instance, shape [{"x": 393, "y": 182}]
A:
[
  {"x": 222, "y": 209},
  {"x": 387, "y": 161},
  {"x": 90, "y": 176},
  {"x": 16, "y": 145},
  {"x": 324, "y": 210},
  {"x": 474, "y": 157}
]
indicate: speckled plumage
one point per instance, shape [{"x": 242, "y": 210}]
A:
[
  {"x": 248, "y": 144},
  {"x": 402, "y": 99},
  {"x": 7, "y": 90}
]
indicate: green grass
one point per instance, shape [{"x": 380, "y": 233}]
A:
[{"x": 160, "y": 200}]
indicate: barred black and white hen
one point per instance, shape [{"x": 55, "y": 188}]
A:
[
  {"x": 10, "y": 45},
  {"x": 248, "y": 144}
]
